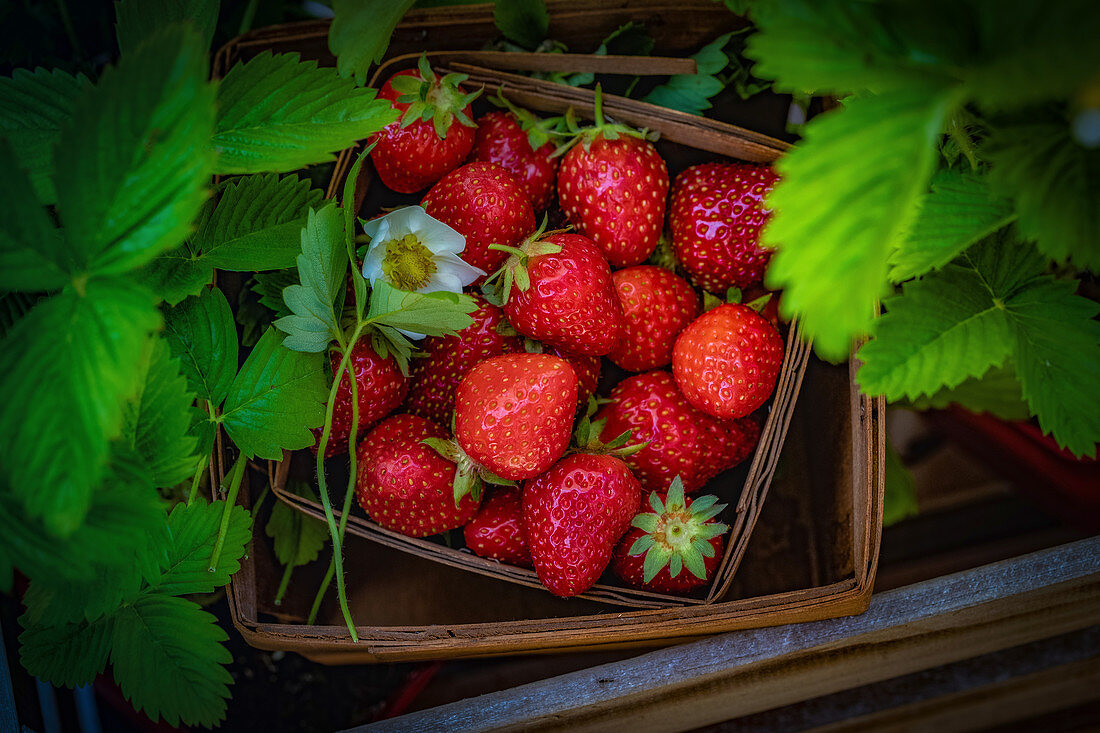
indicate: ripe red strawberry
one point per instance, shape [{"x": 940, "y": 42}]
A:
[
  {"x": 564, "y": 296},
  {"x": 716, "y": 216},
  {"x": 517, "y": 141},
  {"x": 380, "y": 387},
  {"x": 657, "y": 306},
  {"x": 574, "y": 515},
  {"x": 447, "y": 359},
  {"x": 587, "y": 369},
  {"x": 613, "y": 185},
  {"x": 514, "y": 413},
  {"x": 417, "y": 151},
  {"x": 406, "y": 486},
  {"x": 497, "y": 530},
  {"x": 675, "y": 547},
  {"x": 727, "y": 360},
  {"x": 683, "y": 441},
  {"x": 486, "y": 204}
]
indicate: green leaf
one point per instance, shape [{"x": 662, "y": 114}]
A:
[
  {"x": 689, "y": 93},
  {"x": 14, "y": 306},
  {"x": 132, "y": 168},
  {"x": 434, "y": 314},
  {"x": 54, "y": 602},
  {"x": 176, "y": 274},
  {"x": 139, "y": 19},
  {"x": 525, "y": 22},
  {"x": 1055, "y": 184},
  {"x": 298, "y": 537},
  {"x": 959, "y": 211},
  {"x": 202, "y": 335},
  {"x": 33, "y": 254},
  {"x": 157, "y": 424},
  {"x": 277, "y": 397},
  {"x": 997, "y": 392},
  {"x": 168, "y": 659},
  {"x": 276, "y": 113},
  {"x": 876, "y": 156},
  {"x": 901, "y": 490},
  {"x": 361, "y": 32},
  {"x": 67, "y": 655},
  {"x": 69, "y": 364},
  {"x": 183, "y": 562},
  {"x": 270, "y": 286},
  {"x": 322, "y": 267},
  {"x": 34, "y": 106}
]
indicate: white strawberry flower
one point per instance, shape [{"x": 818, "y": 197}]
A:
[{"x": 414, "y": 252}]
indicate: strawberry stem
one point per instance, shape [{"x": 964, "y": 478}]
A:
[
  {"x": 235, "y": 475},
  {"x": 281, "y": 592},
  {"x": 199, "y": 471}
]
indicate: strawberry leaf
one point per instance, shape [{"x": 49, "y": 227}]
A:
[
  {"x": 525, "y": 22},
  {"x": 901, "y": 490},
  {"x": 692, "y": 92},
  {"x": 270, "y": 286},
  {"x": 69, "y": 654},
  {"x": 201, "y": 334},
  {"x": 277, "y": 113},
  {"x": 299, "y": 538},
  {"x": 360, "y": 33},
  {"x": 322, "y": 267},
  {"x": 183, "y": 561},
  {"x": 33, "y": 255},
  {"x": 434, "y": 314},
  {"x": 997, "y": 392},
  {"x": 138, "y": 19}
]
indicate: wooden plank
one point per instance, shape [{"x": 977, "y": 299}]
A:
[{"x": 906, "y": 630}]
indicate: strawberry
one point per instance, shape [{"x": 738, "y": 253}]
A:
[
  {"x": 447, "y": 359},
  {"x": 518, "y": 141},
  {"x": 514, "y": 413},
  {"x": 716, "y": 216},
  {"x": 380, "y": 387},
  {"x": 497, "y": 530},
  {"x": 727, "y": 360},
  {"x": 682, "y": 441},
  {"x": 674, "y": 548},
  {"x": 424, "y": 145},
  {"x": 404, "y": 485},
  {"x": 574, "y": 514},
  {"x": 613, "y": 185},
  {"x": 587, "y": 369},
  {"x": 657, "y": 306},
  {"x": 486, "y": 204},
  {"x": 564, "y": 295}
]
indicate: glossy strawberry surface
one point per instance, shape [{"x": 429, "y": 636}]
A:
[
  {"x": 657, "y": 306},
  {"x": 574, "y": 515},
  {"x": 500, "y": 139},
  {"x": 486, "y": 204},
  {"x": 614, "y": 192},
  {"x": 587, "y": 368},
  {"x": 571, "y": 302},
  {"x": 514, "y": 413},
  {"x": 406, "y": 486},
  {"x": 716, "y": 216},
  {"x": 497, "y": 530},
  {"x": 727, "y": 360},
  {"x": 434, "y": 377}
]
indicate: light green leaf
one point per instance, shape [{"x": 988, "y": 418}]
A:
[
  {"x": 183, "y": 562},
  {"x": 168, "y": 659},
  {"x": 270, "y": 286},
  {"x": 959, "y": 211},
  {"x": 997, "y": 392},
  {"x": 525, "y": 22},
  {"x": 70, "y": 365},
  {"x": 277, "y": 397},
  {"x": 67, "y": 655},
  {"x": 34, "y": 106},
  {"x": 1055, "y": 184},
  {"x": 176, "y": 274},
  {"x": 202, "y": 335},
  {"x": 322, "y": 267},
  {"x": 33, "y": 254},
  {"x": 132, "y": 167},
  {"x": 276, "y": 113},
  {"x": 831, "y": 260},
  {"x": 901, "y": 490},
  {"x": 692, "y": 92},
  {"x": 434, "y": 314},
  {"x": 298, "y": 537},
  {"x": 361, "y": 32},
  {"x": 139, "y": 19}
]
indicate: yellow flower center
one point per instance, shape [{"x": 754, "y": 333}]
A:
[{"x": 408, "y": 264}]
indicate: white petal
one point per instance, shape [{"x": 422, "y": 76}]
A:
[
  {"x": 412, "y": 334},
  {"x": 442, "y": 280},
  {"x": 372, "y": 264},
  {"x": 402, "y": 221},
  {"x": 437, "y": 236},
  {"x": 464, "y": 271}
]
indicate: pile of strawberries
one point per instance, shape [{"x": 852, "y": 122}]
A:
[{"x": 497, "y": 430}]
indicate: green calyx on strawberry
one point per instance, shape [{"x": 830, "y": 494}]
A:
[
  {"x": 602, "y": 128},
  {"x": 497, "y": 289},
  {"x": 433, "y": 98},
  {"x": 586, "y": 436},
  {"x": 470, "y": 476},
  {"x": 540, "y": 130},
  {"x": 734, "y": 295},
  {"x": 678, "y": 533}
]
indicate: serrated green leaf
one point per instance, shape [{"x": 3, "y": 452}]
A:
[
  {"x": 901, "y": 490},
  {"x": 132, "y": 165},
  {"x": 277, "y": 397},
  {"x": 33, "y": 255},
  {"x": 322, "y": 267},
  {"x": 959, "y": 211},
  {"x": 997, "y": 392},
  {"x": 55, "y": 602},
  {"x": 692, "y": 92},
  {"x": 1055, "y": 184},
  {"x": 69, "y": 365},
  {"x": 270, "y": 286},
  {"x": 360, "y": 33},
  {"x": 629, "y": 39},
  {"x": 139, "y": 19},
  {"x": 435, "y": 314},
  {"x": 183, "y": 562},
  {"x": 168, "y": 659},
  {"x": 34, "y": 106},
  {"x": 299, "y": 538},
  {"x": 175, "y": 275},
  {"x": 276, "y": 113},
  {"x": 67, "y": 655},
  {"x": 831, "y": 261},
  {"x": 525, "y": 22},
  {"x": 201, "y": 334}
]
